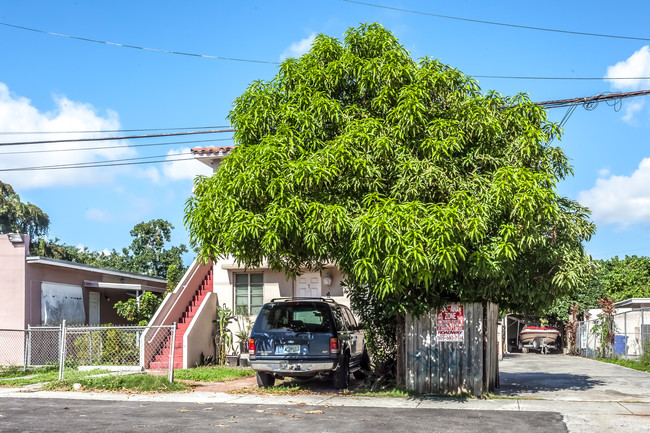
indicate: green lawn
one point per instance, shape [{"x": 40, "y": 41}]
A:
[
  {"x": 14, "y": 377},
  {"x": 641, "y": 365},
  {"x": 130, "y": 382},
  {"x": 215, "y": 373}
]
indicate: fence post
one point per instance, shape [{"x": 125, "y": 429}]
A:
[
  {"x": 29, "y": 347},
  {"x": 171, "y": 353},
  {"x": 26, "y": 349},
  {"x": 90, "y": 338},
  {"x": 62, "y": 350},
  {"x": 625, "y": 334},
  {"x": 642, "y": 328}
]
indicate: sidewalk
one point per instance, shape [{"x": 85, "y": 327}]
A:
[
  {"x": 579, "y": 416},
  {"x": 591, "y": 396}
]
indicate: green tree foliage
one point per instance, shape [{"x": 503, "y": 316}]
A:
[
  {"x": 19, "y": 217},
  {"x": 148, "y": 253},
  {"x": 402, "y": 173},
  {"x": 419, "y": 187},
  {"x": 586, "y": 296},
  {"x": 627, "y": 278},
  {"x": 616, "y": 278},
  {"x": 139, "y": 313}
]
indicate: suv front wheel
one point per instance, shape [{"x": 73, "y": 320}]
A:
[{"x": 265, "y": 380}]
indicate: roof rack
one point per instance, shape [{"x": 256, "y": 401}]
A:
[{"x": 298, "y": 298}]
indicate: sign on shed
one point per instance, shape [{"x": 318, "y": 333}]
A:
[{"x": 450, "y": 323}]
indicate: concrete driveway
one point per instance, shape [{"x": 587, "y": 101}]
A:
[{"x": 561, "y": 377}]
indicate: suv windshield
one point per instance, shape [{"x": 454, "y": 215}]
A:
[{"x": 298, "y": 317}]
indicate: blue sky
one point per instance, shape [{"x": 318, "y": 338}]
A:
[{"x": 50, "y": 83}]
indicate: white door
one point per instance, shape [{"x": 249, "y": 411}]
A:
[
  {"x": 93, "y": 308},
  {"x": 308, "y": 286}
]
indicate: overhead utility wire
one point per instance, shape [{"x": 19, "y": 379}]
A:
[
  {"x": 509, "y": 77},
  {"x": 496, "y": 23},
  {"x": 368, "y": 4},
  {"x": 107, "y": 164},
  {"x": 591, "y": 101},
  {"x": 234, "y": 59},
  {"x": 126, "y": 137},
  {"x": 108, "y": 130},
  {"x": 93, "y": 164},
  {"x": 19, "y": 152}
]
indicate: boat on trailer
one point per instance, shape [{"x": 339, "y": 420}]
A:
[{"x": 542, "y": 338}]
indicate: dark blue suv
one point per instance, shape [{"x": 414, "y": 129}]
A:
[{"x": 303, "y": 337}]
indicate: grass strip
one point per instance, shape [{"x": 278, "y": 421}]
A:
[
  {"x": 137, "y": 383},
  {"x": 17, "y": 371},
  {"x": 213, "y": 374},
  {"x": 46, "y": 374},
  {"x": 629, "y": 363}
]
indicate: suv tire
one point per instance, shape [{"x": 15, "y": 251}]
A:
[
  {"x": 342, "y": 374},
  {"x": 265, "y": 380},
  {"x": 364, "y": 368}
]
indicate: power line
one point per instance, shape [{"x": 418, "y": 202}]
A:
[
  {"x": 496, "y": 23},
  {"x": 126, "y": 137},
  {"x": 93, "y": 164},
  {"x": 590, "y": 102},
  {"x": 510, "y": 77},
  {"x": 108, "y": 130},
  {"x": 19, "y": 152},
  {"x": 98, "y": 165},
  {"x": 205, "y": 56},
  {"x": 378, "y": 6}
]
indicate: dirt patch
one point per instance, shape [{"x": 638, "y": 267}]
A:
[{"x": 226, "y": 386}]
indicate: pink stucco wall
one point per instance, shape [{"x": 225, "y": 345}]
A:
[
  {"x": 12, "y": 283},
  {"x": 20, "y": 287},
  {"x": 37, "y": 273}
]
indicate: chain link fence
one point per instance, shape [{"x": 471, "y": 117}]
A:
[
  {"x": 12, "y": 347},
  {"x": 90, "y": 347},
  {"x": 631, "y": 335}
]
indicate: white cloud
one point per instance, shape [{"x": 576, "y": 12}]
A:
[
  {"x": 299, "y": 48},
  {"x": 99, "y": 215},
  {"x": 604, "y": 172},
  {"x": 631, "y": 108},
  {"x": 637, "y": 65},
  {"x": 184, "y": 169},
  {"x": 17, "y": 114},
  {"x": 621, "y": 200}
]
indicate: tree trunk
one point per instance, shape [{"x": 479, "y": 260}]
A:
[{"x": 401, "y": 350}]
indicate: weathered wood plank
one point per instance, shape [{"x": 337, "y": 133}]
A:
[{"x": 441, "y": 367}]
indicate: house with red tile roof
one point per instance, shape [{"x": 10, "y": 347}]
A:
[{"x": 193, "y": 303}]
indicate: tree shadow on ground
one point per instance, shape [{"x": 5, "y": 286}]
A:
[{"x": 518, "y": 383}]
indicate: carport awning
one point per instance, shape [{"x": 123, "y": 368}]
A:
[{"x": 122, "y": 286}]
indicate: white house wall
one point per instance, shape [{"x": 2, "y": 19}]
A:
[
  {"x": 275, "y": 285},
  {"x": 199, "y": 335}
]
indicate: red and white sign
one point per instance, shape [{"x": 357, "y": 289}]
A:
[{"x": 450, "y": 323}]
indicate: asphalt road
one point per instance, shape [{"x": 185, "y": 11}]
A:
[{"x": 62, "y": 415}]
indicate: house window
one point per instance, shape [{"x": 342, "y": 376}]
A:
[{"x": 249, "y": 293}]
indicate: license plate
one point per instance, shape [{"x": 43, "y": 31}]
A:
[{"x": 287, "y": 348}]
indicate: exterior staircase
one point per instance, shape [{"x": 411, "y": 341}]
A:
[{"x": 161, "y": 359}]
